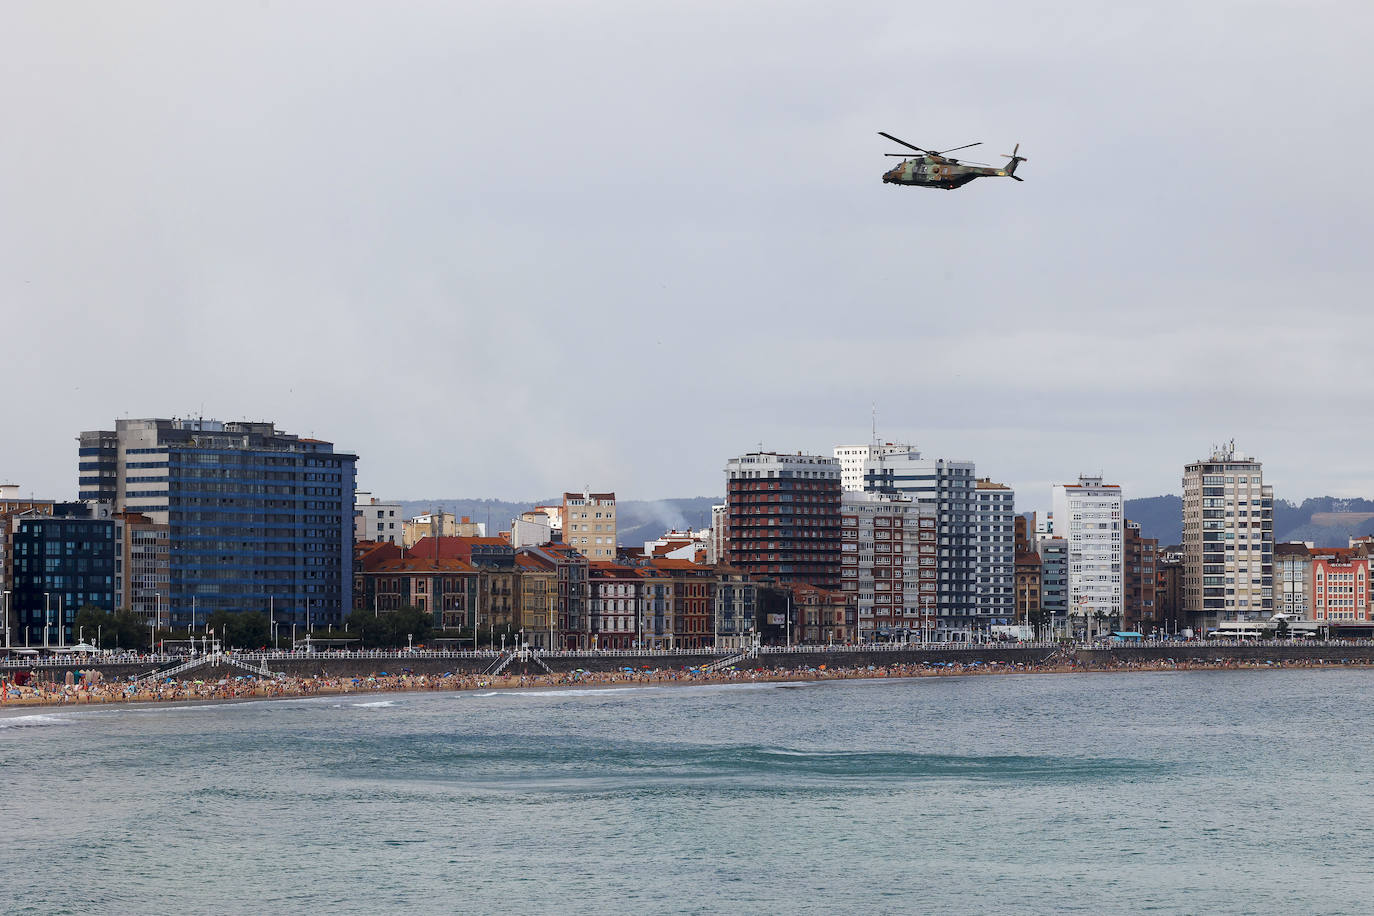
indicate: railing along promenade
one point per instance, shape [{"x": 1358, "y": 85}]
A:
[{"x": 69, "y": 659}]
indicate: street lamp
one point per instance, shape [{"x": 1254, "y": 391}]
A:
[
  {"x": 47, "y": 616},
  {"x": 7, "y": 618},
  {"x": 157, "y": 619}
]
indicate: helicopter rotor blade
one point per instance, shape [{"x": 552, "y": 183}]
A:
[
  {"x": 965, "y": 146},
  {"x": 902, "y": 155},
  {"x": 903, "y": 142}
]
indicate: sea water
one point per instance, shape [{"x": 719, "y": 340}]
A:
[{"x": 1190, "y": 792}]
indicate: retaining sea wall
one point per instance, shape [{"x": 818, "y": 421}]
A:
[{"x": 1105, "y": 657}]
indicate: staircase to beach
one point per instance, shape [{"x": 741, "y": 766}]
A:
[{"x": 214, "y": 658}]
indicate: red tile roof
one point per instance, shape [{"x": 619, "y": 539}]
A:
[{"x": 422, "y": 564}]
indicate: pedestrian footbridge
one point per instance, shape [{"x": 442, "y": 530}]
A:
[{"x": 209, "y": 661}]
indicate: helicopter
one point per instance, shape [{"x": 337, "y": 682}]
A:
[{"x": 936, "y": 170}]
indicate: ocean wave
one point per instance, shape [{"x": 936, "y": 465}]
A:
[
  {"x": 34, "y": 721},
  {"x": 684, "y": 689},
  {"x": 375, "y": 704},
  {"x": 570, "y": 692}
]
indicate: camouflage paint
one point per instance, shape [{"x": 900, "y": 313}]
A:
[{"x": 938, "y": 172}]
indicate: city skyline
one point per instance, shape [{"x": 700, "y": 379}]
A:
[{"x": 1035, "y": 496}]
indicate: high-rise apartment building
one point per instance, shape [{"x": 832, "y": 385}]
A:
[
  {"x": 257, "y": 519},
  {"x": 853, "y": 460},
  {"x": 949, "y": 487},
  {"x": 974, "y": 531},
  {"x": 589, "y": 525},
  {"x": 783, "y": 517},
  {"x": 996, "y": 563},
  {"x": 1228, "y": 539},
  {"x": 1089, "y": 515},
  {"x": 888, "y": 563}
]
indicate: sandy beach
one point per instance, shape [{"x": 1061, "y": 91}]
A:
[{"x": 39, "y": 693}]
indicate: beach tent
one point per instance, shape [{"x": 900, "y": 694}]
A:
[{"x": 1127, "y": 636}]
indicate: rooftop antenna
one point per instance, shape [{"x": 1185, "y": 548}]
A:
[{"x": 875, "y": 422}]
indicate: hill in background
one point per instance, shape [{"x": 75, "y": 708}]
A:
[
  {"x": 637, "y": 521},
  {"x": 1324, "y": 520}
]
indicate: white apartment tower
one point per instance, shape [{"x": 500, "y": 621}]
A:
[
  {"x": 854, "y": 458},
  {"x": 1228, "y": 539},
  {"x": 1089, "y": 516},
  {"x": 888, "y": 561}
]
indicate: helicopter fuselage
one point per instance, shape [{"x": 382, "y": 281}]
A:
[{"x": 938, "y": 172}]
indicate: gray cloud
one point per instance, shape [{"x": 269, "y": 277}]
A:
[{"x": 397, "y": 226}]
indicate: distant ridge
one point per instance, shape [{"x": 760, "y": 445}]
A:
[
  {"x": 637, "y": 520},
  {"x": 1326, "y": 521}
]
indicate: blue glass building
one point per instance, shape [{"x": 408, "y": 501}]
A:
[
  {"x": 258, "y": 519},
  {"x": 63, "y": 563}
]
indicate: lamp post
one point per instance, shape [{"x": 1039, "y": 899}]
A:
[
  {"x": 7, "y": 618},
  {"x": 789, "y": 620},
  {"x": 157, "y": 619},
  {"x": 47, "y": 616},
  {"x": 61, "y": 620}
]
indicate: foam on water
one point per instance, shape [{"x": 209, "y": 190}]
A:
[
  {"x": 34, "y": 721},
  {"x": 375, "y": 704},
  {"x": 684, "y": 688}
]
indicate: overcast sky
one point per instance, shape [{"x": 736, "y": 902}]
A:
[{"x": 507, "y": 249}]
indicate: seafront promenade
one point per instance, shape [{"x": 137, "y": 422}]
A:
[{"x": 224, "y": 676}]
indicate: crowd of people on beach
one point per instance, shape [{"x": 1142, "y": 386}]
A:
[{"x": 90, "y": 686}]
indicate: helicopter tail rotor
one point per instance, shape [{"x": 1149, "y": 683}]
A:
[{"x": 1015, "y": 161}]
